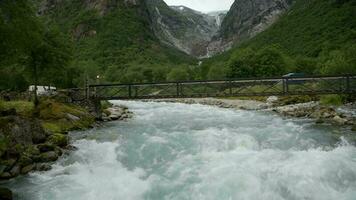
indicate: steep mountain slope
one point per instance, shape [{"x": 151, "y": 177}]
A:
[
  {"x": 113, "y": 39},
  {"x": 219, "y": 16},
  {"x": 246, "y": 19},
  {"x": 181, "y": 27},
  {"x": 317, "y": 36}
]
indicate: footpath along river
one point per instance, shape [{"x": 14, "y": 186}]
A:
[{"x": 180, "y": 152}]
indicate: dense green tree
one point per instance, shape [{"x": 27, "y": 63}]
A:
[
  {"x": 178, "y": 74},
  {"x": 241, "y": 64},
  {"x": 28, "y": 45},
  {"x": 339, "y": 61},
  {"x": 217, "y": 72},
  {"x": 266, "y": 62}
]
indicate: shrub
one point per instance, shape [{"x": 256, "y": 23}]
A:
[
  {"x": 331, "y": 100},
  {"x": 269, "y": 61}
]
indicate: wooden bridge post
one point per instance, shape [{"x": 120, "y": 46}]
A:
[
  {"x": 177, "y": 85},
  {"x": 130, "y": 92},
  {"x": 348, "y": 90},
  {"x": 230, "y": 88},
  {"x": 87, "y": 89},
  {"x": 285, "y": 86}
]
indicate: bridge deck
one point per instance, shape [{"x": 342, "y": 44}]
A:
[{"x": 227, "y": 88}]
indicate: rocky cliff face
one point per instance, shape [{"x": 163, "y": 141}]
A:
[
  {"x": 181, "y": 27},
  {"x": 245, "y": 19}
]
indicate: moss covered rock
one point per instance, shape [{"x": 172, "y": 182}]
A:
[
  {"x": 48, "y": 156},
  {"x": 25, "y": 160},
  {"x": 58, "y": 139},
  {"x": 45, "y": 147},
  {"x": 353, "y": 128}
]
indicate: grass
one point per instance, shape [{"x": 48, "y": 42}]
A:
[
  {"x": 22, "y": 107},
  {"x": 56, "y": 117},
  {"x": 335, "y": 100}
]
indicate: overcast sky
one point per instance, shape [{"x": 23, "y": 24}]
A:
[{"x": 203, "y": 5}]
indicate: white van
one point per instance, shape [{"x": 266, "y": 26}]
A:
[{"x": 43, "y": 90}]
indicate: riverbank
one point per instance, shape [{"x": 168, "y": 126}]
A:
[
  {"x": 31, "y": 139},
  {"x": 342, "y": 115}
]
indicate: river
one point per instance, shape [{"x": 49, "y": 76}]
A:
[{"x": 178, "y": 151}]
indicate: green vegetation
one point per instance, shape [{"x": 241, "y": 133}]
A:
[
  {"x": 336, "y": 100},
  {"x": 74, "y": 41},
  {"x": 24, "y": 108},
  {"x": 30, "y": 51},
  {"x": 314, "y": 37},
  {"x": 58, "y": 117},
  {"x": 117, "y": 44}
]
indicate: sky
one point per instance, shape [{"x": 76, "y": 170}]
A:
[{"x": 202, "y": 5}]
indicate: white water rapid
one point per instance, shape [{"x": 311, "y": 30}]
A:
[{"x": 195, "y": 152}]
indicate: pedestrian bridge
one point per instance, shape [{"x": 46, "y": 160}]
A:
[{"x": 280, "y": 86}]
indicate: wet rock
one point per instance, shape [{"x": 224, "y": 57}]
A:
[
  {"x": 5, "y": 194},
  {"x": 114, "y": 117},
  {"x": 70, "y": 148},
  {"x": 59, "y": 151},
  {"x": 27, "y": 169},
  {"x": 5, "y": 175},
  {"x": 25, "y": 160},
  {"x": 353, "y": 128},
  {"x": 48, "y": 156},
  {"x": 106, "y": 119},
  {"x": 15, "y": 171},
  {"x": 2, "y": 169},
  {"x": 339, "y": 120},
  {"x": 43, "y": 167},
  {"x": 9, "y": 164},
  {"x": 45, "y": 147},
  {"x": 271, "y": 100},
  {"x": 319, "y": 121}
]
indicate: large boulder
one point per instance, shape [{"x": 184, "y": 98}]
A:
[
  {"x": 353, "y": 128},
  {"x": 339, "y": 120},
  {"x": 58, "y": 139},
  {"x": 22, "y": 131},
  {"x": 48, "y": 156},
  {"x": 27, "y": 169},
  {"x": 45, "y": 147},
  {"x": 43, "y": 167}
]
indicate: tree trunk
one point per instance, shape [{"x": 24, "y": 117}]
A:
[{"x": 36, "y": 102}]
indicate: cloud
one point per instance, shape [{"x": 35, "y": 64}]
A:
[{"x": 203, "y": 5}]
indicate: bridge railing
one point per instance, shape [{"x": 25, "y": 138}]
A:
[{"x": 228, "y": 88}]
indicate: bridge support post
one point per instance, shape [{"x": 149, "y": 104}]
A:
[
  {"x": 177, "y": 87},
  {"x": 285, "y": 86},
  {"x": 129, "y": 91},
  {"x": 348, "y": 84},
  {"x": 230, "y": 88}
]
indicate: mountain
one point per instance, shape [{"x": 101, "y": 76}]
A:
[
  {"x": 113, "y": 39},
  {"x": 312, "y": 36},
  {"x": 188, "y": 30},
  {"x": 219, "y": 16},
  {"x": 245, "y": 20}
]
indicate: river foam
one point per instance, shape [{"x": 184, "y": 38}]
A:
[{"x": 177, "y": 151}]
